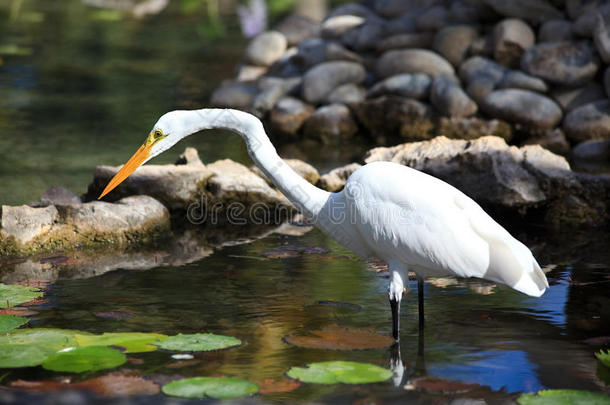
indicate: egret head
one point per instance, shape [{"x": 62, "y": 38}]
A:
[{"x": 165, "y": 134}]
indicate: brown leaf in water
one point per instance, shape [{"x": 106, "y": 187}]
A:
[
  {"x": 35, "y": 302},
  {"x": 341, "y": 338},
  {"x": 183, "y": 363},
  {"x": 116, "y": 315},
  {"x": 438, "y": 385},
  {"x": 108, "y": 385},
  {"x": 270, "y": 385},
  {"x": 18, "y": 311}
]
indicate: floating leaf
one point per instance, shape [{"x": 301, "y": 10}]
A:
[
  {"x": 441, "y": 386},
  {"x": 198, "y": 342},
  {"x": 270, "y": 386},
  {"x": 10, "y": 322},
  {"x": 18, "y": 311},
  {"x": 79, "y": 359},
  {"x": 564, "y": 397},
  {"x": 604, "y": 357},
  {"x": 332, "y": 372},
  {"x": 108, "y": 385},
  {"x": 116, "y": 315},
  {"x": 341, "y": 338},
  {"x": 13, "y": 356},
  {"x": 132, "y": 342},
  {"x": 13, "y": 294},
  {"x": 48, "y": 339},
  {"x": 210, "y": 387}
]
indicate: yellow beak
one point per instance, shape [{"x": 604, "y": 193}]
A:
[{"x": 132, "y": 164}]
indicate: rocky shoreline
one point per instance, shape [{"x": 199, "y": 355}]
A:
[{"x": 528, "y": 71}]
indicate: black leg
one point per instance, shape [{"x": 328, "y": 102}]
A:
[
  {"x": 420, "y": 299},
  {"x": 395, "y": 305}
]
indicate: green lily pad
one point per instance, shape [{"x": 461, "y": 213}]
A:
[
  {"x": 12, "y": 294},
  {"x": 210, "y": 387},
  {"x": 332, "y": 372},
  {"x": 132, "y": 342},
  {"x": 564, "y": 397},
  {"x": 79, "y": 359},
  {"x": 50, "y": 339},
  {"x": 198, "y": 342},
  {"x": 13, "y": 356},
  {"x": 604, "y": 357},
  {"x": 10, "y": 322}
]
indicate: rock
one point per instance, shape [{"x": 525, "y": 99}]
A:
[
  {"x": 449, "y": 98},
  {"x": 588, "y": 122},
  {"x": 454, "y": 41},
  {"x": 512, "y": 37},
  {"x": 335, "y": 51},
  {"x": 413, "y": 61},
  {"x": 555, "y": 31},
  {"x": 330, "y": 124},
  {"x": 235, "y": 95},
  {"x": 248, "y": 73},
  {"x": 336, "y": 27},
  {"x": 472, "y": 128},
  {"x": 569, "y": 64},
  {"x": 479, "y": 66},
  {"x": 592, "y": 150},
  {"x": 289, "y": 114},
  {"x": 401, "y": 25},
  {"x": 305, "y": 170},
  {"x": 190, "y": 157},
  {"x": 459, "y": 12},
  {"x": 57, "y": 195},
  {"x": 391, "y": 116},
  {"x": 576, "y": 8},
  {"x": 554, "y": 140},
  {"x": 486, "y": 169},
  {"x": 353, "y": 9},
  {"x": 334, "y": 180},
  {"x": 585, "y": 24},
  {"x": 266, "y": 48},
  {"x": 534, "y": 11},
  {"x": 531, "y": 110},
  {"x": 346, "y": 94},
  {"x": 432, "y": 19},
  {"x": 131, "y": 221},
  {"x": 480, "y": 86},
  {"x": 314, "y": 51},
  {"x": 570, "y": 99},
  {"x": 320, "y": 80},
  {"x": 607, "y": 81},
  {"x": 516, "y": 79},
  {"x": 363, "y": 37},
  {"x": 482, "y": 46},
  {"x": 297, "y": 28},
  {"x": 405, "y": 85},
  {"x": 601, "y": 39},
  {"x": 395, "y": 8},
  {"x": 272, "y": 89},
  {"x": 408, "y": 40}
]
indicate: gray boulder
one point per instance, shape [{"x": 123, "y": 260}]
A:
[
  {"x": 576, "y": 8},
  {"x": 336, "y": 27},
  {"x": 569, "y": 64},
  {"x": 512, "y": 37},
  {"x": 297, "y": 28},
  {"x": 335, "y": 179},
  {"x": 432, "y": 19},
  {"x": 353, "y": 9},
  {"x": 592, "y": 150},
  {"x": 586, "y": 22},
  {"x": 480, "y": 86},
  {"x": 315, "y": 50},
  {"x": 331, "y": 124},
  {"x": 534, "y": 11},
  {"x": 531, "y": 110},
  {"x": 266, "y": 48},
  {"x": 406, "y": 40},
  {"x": 588, "y": 122},
  {"x": 413, "y": 61},
  {"x": 57, "y": 195},
  {"x": 571, "y": 98},
  {"x": 303, "y": 169},
  {"x": 405, "y": 85},
  {"x": 482, "y": 46},
  {"x": 320, "y": 80},
  {"x": 601, "y": 38},
  {"x": 272, "y": 89},
  {"x": 516, "y": 79},
  {"x": 477, "y": 66},
  {"x": 289, "y": 114},
  {"x": 363, "y": 37},
  {"x": 346, "y": 94},
  {"x": 555, "y": 31},
  {"x": 249, "y": 73},
  {"x": 554, "y": 140},
  {"x": 449, "y": 98},
  {"x": 454, "y": 41},
  {"x": 235, "y": 95}
]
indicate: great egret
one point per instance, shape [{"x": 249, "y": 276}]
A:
[{"x": 409, "y": 219}]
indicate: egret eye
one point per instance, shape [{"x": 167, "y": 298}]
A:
[{"x": 157, "y": 134}]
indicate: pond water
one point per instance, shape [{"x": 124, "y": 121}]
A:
[{"x": 86, "y": 90}]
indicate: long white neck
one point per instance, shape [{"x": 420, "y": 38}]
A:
[{"x": 305, "y": 196}]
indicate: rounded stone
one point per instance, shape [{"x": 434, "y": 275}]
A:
[
  {"x": 511, "y": 38},
  {"x": 480, "y": 86},
  {"x": 406, "y": 85},
  {"x": 454, "y": 41},
  {"x": 297, "y": 28},
  {"x": 320, "y": 80},
  {"x": 569, "y": 64},
  {"x": 534, "y": 11},
  {"x": 432, "y": 19},
  {"x": 266, "y": 48},
  {"x": 555, "y": 31},
  {"x": 236, "y": 95},
  {"x": 346, "y": 94},
  {"x": 363, "y": 37},
  {"x": 413, "y": 61},
  {"x": 516, "y": 79},
  {"x": 337, "y": 26},
  {"x": 289, "y": 114},
  {"x": 450, "y": 100},
  {"x": 592, "y": 150},
  {"x": 590, "y": 121},
  {"x": 572, "y": 98},
  {"x": 406, "y": 40},
  {"x": 532, "y": 110},
  {"x": 330, "y": 124},
  {"x": 585, "y": 24},
  {"x": 477, "y": 65}
]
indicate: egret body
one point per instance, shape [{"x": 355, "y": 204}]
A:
[{"x": 407, "y": 218}]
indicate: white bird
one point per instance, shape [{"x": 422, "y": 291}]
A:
[{"x": 409, "y": 219}]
